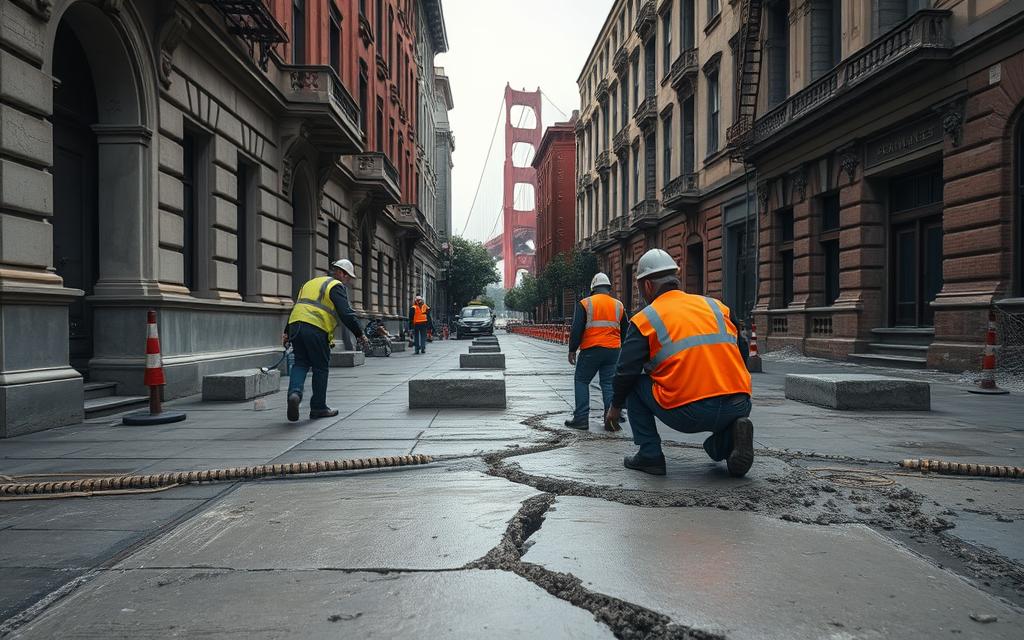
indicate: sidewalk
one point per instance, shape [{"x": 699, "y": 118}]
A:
[{"x": 357, "y": 553}]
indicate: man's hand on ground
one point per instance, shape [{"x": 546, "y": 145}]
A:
[
  {"x": 572, "y": 358},
  {"x": 611, "y": 419},
  {"x": 363, "y": 341}
]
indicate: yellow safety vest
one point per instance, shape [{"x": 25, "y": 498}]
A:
[{"x": 314, "y": 305}]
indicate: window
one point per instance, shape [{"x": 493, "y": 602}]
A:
[
  {"x": 391, "y": 32},
  {"x": 650, "y": 166},
  {"x": 335, "y": 40},
  {"x": 666, "y": 151},
  {"x": 714, "y": 7},
  {"x": 625, "y": 104},
  {"x": 650, "y": 82},
  {"x": 886, "y": 14},
  {"x": 380, "y": 282},
  {"x": 391, "y": 138},
  {"x": 192, "y": 184},
  {"x": 687, "y": 19},
  {"x": 629, "y": 12},
  {"x": 689, "y": 165},
  {"x": 915, "y": 191},
  {"x": 333, "y": 240},
  {"x": 778, "y": 52},
  {"x": 362, "y": 8},
  {"x": 245, "y": 185},
  {"x": 636, "y": 82},
  {"x": 378, "y": 18},
  {"x": 614, "y": 102},
  {"x": 636, "y": 173},
  {"x": 829, "y": 239},
  {"x": 624, "y": 192},
  {"x": 298, "y": 31},
  {"x": 666, "y": 45},
  {"x": 380, "y": 124},
  {"x": 784, "y": 220},
  {"x": 714, "y": 105},
  {"x": 364, "y": 97},
  {"x": 826, "y": 37}
]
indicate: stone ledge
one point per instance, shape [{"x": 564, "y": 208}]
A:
[
  {"x": 852, "y": 392},
  {"x": 348, "y": 359},
  {"x": 482, "y": 360},
  {"x": 479, "y": 389},
  {"x": 244, "y": 384}
]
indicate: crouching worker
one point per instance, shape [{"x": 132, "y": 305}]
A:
[
  {"x": 697, "y": 380},
  {"x": 321, "y": 302}
]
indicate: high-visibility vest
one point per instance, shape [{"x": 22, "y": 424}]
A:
[
  {"x": 420, "y": 313},
  {"x": 604, "y": 322},
  {"x": 693, "y": 349},
  {"x": 314, "y": 305}
]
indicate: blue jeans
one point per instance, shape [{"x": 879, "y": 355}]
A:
[
  {"x": 711, "y": 414},
  {"x": 590, "y": 362},
  {"x": 312, "y": 351},
  {"x": 419, "y": 337}
]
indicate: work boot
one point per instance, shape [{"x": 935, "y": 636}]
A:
[
  {"x": 322, "y": 413},
  {"x": 653, "y": 466},
  {"x": 582, "y": 425},
  {"x": 742, "y": 456},
  {"x": 294, "y": 400}
]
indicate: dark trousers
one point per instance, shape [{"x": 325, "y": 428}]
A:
[
  {"x": 419, "y": 333},
  {"x": 312, "y": 351},
  {"x": 598, "y": 361},
  {"x": 711, "y": 414}
]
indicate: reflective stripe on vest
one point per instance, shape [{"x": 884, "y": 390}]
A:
[
  {"x": 320, "y": 296},
  {"x": 671, "y": 347},
  {"x": 600, "y": 330},
  {"x": 313, "y": 305},
  {"x": 588, "y": 304},
  {"x": 420, "y": 313}
]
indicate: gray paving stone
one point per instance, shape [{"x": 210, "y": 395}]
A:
[
  {"x": 419, "y": 518},
  {"x": 749, "y": 576},
  {"x": 244, "y": 384},
  {"x": 399, "y": 346},
  {"x": 482, "y": 360},
  {"x": 855, "y": 391},
  {"x": 121, "y": 513},
  {"x": 347, "y": 358},
  {"x": 295, "y": 604},
  {"x": 57, "y": 549},
  {"x": 21, "y": 587},
  {"x": 466, "y": 389},
  {"x": 486, "y": 348}
]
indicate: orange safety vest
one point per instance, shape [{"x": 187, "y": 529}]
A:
[
  {"x": 604, "y": 322},
  {"x": 693, "y": 349},
  {"x": 420, "y": 313}
]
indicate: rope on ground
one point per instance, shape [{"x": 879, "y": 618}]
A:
[
  {"x": 855, "y": 478},
  {"x": 963, "y": 468},
  {"x": 91, "y": 486}
]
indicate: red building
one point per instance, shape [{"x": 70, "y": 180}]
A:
[{"x": 555, "y": 163}]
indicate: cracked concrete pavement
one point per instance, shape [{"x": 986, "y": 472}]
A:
[{"x": 522, "y": 528}]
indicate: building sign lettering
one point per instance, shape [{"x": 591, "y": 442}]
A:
[{"x": 904, "y": 141}]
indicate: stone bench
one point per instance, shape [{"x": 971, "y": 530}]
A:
[
  {"x": 347, "y": 358},
  {"x": 485, "y": 339},
  {"x": 854, "y": 391},
  {"x": 485, "y": 343},
  {"x": 484, "y": 348},
  {"x": 459, "y": 390},
  {"x": 482, "y": 360},
  {"x": 244, "y": 384}
]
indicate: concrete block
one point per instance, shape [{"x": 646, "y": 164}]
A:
[
  {"x": 852, "y": 392},
  {"x": 460, "y": 389},
  {"x": 485, "y": 349},
  {"x": 244, "y": 384},
  {"x": 398, "y": 346},
  {"x": 25, "y": 242},
  {"x": 22, "y": 31},
  {"x": 42, "y": 404},
  {"x": 347, "y": 358},
  {"x": 25, "y": 85},
  {"x": 485, "y": 340},
  {"x": 24, "y": 188},
  {"x": 482, "y": 360},
  {"x": 26, "y": 136}
]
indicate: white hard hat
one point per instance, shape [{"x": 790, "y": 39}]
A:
[
  {"x": 346, "y": 266},
  {"x": 419, "y": 297},
  {"x": 600, "y": 280},
  {"x": 654, "y": 262}
]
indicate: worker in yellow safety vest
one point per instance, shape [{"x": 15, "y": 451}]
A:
[
  {"x": 320, "y": 304},
  {"x": 419, "y": 321},
  {"x": 597, "y": 328},
  {"x": 696, "y": 379}
]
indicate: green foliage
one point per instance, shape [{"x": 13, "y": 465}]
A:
[
  {"x": 472, "y": 269},
  {"x": 525, "y": 296},
  {"x": 487, "y": 301}
]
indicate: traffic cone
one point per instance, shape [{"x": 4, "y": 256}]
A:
[
  {"x": 987, "y": 384},
  {"x": 154, "y": 379},
  {"x": 754, "y": 358}
]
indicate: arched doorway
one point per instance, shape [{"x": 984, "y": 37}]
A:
[{"x": 75, "y": 187}]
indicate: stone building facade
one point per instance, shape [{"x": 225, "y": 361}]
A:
[
  {"x": 154, "y": 157},
  {"x": 653, "y": 169},
  {"x": 555, "y": 162},
  {"x": 888, "y": 151}
]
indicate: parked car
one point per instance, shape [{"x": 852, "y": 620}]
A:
[{"x": 474, "y": 320}]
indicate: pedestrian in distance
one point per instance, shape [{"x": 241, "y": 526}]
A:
[
  {"x": 697, "y": 379},
  {"x": 320, "y": 304},
  {"x": 597, "y": 329},
  {"x": 419, "y": 320}
]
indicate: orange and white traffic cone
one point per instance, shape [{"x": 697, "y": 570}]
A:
[
  {"x": 154, "y": 379},
  {"x": 987, "y": 384},
  {"x": 754, "y": 358}
]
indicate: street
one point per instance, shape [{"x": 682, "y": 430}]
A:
[{"x": 521, "y": 528}]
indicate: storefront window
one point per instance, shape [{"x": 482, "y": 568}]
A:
[
  {"x": 785, "y": 245},
  {"x": 829, "y": 240}
]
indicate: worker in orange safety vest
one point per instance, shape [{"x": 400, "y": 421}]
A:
[
  {"x": 419, "y": 320},
  {"x": 696, "y": 380}
]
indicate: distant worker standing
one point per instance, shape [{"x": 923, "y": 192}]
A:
[
  {"x": 321, "y": 302},
  {"x": 419, "y": 320},
  {"x": 698, "y": 379},
  {"x": 597, "y": 328}
]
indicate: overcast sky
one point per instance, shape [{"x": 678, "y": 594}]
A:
[{"x": 528, "y": 43}]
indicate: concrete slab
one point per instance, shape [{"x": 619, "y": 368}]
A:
[
  {"x": 856, "y": 391},
  {"x": 749, "y": 576},
  {"x": 244, "y": 384},
  {"x": 59, "y": 549},
  {"x": 484, "y": 348},
  {"x": 398, "y": 346},
  {"x": 418, "y": 518},
  {"x": 294, "y": 604},
  {"x": 23, "y": 586},
  {"x": 482, "y": 360},
  {"x": 485, "y": 340},
  {"x": 467, "y": 389},
  {"x": 347, "y": 358}
]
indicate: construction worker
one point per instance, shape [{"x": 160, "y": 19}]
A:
[
  {"x": 697, "y": 378},
  {"x": 597, "y": 328},
  {"x": 419, "y": 320},
  {"x": 321, "y": 302}
]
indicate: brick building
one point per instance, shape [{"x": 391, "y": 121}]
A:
[
  {"x": 203, "y": 159},
  {"x": 555, "y": 162},
  {"x": 888, "y": 151}
]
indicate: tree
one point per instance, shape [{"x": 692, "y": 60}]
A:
[
  {"x": 583, "y": 267},
  {"x": 471, "y": 271},
  {"x": 525, "y": 296},
  {"x": 487, "y": 301}
]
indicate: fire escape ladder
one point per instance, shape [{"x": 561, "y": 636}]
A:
[{"x": 748, "y": 81}]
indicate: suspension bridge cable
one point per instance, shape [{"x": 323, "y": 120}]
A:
[
  {"x": 501, "y": 209},
  {"x": 483, "y": 169},
  {"x": 552, "y": 103}
]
